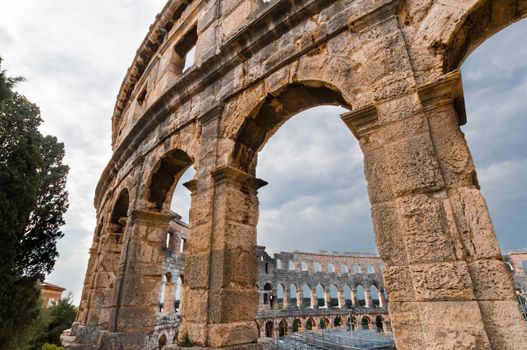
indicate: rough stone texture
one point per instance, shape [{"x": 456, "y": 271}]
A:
[{"x": 394, "y": 65}]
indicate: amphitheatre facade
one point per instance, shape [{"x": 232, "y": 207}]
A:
[{"x": 394, "y": 65}]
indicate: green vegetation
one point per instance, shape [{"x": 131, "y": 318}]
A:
[
  {"x": 33, "y": 201},
  {"x": 185, "y": 341}
]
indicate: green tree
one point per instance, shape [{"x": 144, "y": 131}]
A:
[{"x": 33, "y": 201}]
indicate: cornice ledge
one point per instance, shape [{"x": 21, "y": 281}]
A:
[
  {"x": 362, "y": 120},
  {"x": 150, "y": 216},
  {"x": 445, "y": 90},
  {"x": 369, "y": 15},
  {"x": 228, "y": 173}
]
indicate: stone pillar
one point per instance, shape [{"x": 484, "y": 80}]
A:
[
  {"x": 102, "y": 295},
  {"x": 367, "y": 297},
  {"x": 341, "y": 299},
  {"x": 327, "y": 299},
  {"x": 140, "y": 276},
  {"x": 286, "y": 298},
  {"x": 299, "y": 298},
  {"x": 432, "y": 226},
  {"x": 354, "y": 299},
  {"x": 313, "y": 296},
  {"x": 221, "y": 268},
  {"x": 170, "y": 296}
]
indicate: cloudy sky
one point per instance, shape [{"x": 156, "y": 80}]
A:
[{"x": 74, "y": 55}]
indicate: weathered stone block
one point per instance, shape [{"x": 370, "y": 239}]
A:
[
  {"x": 492, "y": 280},
  {"x": 442, "y": 281}
]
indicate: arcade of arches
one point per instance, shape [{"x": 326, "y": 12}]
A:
[{"x": 394, "y": 65}]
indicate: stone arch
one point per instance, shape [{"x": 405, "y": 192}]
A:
[
  {"x": 379, "y": 324},
  {"x": 282, "y": 328},
  {"x": 119, "y": 216},
  {"x": 297, "y": 325},
  {"x": 365, "y": 323},
  {"x": 324, "y": 323},
  {"x": 346, "y": 294},
  {"x": 165, "y": 175},
  {"x": 480, "y": 21},
  {"x": 162, "y": 341},
  {"x": 319, "y": 293},
  {"x": 269, "y": 329},
  {"x": 361, "y": 295},
  {"x": 310, "y": 324},
  {"x": 337, "y": 321},
  {"x": 333, "y": 296},
  {"x": 261, "y": 124}
]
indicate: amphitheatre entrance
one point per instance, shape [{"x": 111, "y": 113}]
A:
[{"x": 394, "y": 66}]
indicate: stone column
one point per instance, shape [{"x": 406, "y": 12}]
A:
[
  {"x": 354, "y": 299},
  {"x": 286, "y": 298},
  {"x": 432, "y": 226},
  {"x": 367, "y": 297},
  {"x": 140, "y": 276},
  {"x": 314, "y": 301},
  {"x": 102, "y": 296},
  {"x": 299, "y": 298},
  {"x": 221, "y": 268},
  {"x": 341, "y": 299},
  {"x": 168, "y": 303},
  {"x": 327, "y": 299}
]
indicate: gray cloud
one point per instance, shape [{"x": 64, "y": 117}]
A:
[{"x": 74, "y": 55}]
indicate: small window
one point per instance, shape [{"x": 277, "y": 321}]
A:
[
  {"x": 291, "y": 265},
  {"x": 357, "y": 268},
  {"x": 331, "y": 267},
  {"x": 266, "y": 267},
  {"x": 278, "y": 263},
  {"x": 186, "y": 50},
  {"x": 317, "y": 267},
  {"x": 369, "y": 268},
  {"x": 304, "y": 266},
  {"x": 142, "y": 97},
  {"x": 343, "y": 268}
]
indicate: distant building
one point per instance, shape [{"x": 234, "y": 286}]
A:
[
  {"x": 51, "y": 293},
  {"x": 517, "y": 262}
]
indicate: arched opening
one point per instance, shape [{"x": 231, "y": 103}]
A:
[
  {"x": 162, "y": 341},
  {"x": 166, "y": 175},
  {"x": 280, "y": 296},
  {"x": 268, "y": 298},
  {"x": 119, "y": 216},
  {"x": 324, "y": 323},
  {"x": 365, "y": 323},
  {"x": 379, "y": 324},
  {"x": 369, "y": 268},
  {"x": 343, "y": 268},
  {"x": 306, "y": 296},
  {"x": 269, "y": 329},
  {"x": 357, "y": 268},
  {"x": 177, "y": 300},
  {"x": 346, "y": 290},
  {"x": 320, "y": 296},
  {"x": 352, "y": 324},
  {"x": 494, "y": 74},
  {"x": 304, "y": 266},
  {"x": 297, "y": 325},
  {"x": 334, "y": 302},
  {"x": 374, "y": 292},
  {"x": 282, "y": 328},
  {"x": 337, "y": 321},
  {"x": 331, "y": 267},
  {"x": 309, "y": 324},
  {"x": 361, "y": 296},
  {"x": 293, "y": 295}
]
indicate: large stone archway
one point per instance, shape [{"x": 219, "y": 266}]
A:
[{"x": 393, "y": 65}]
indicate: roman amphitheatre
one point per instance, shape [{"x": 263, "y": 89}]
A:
[{"x": 394, "y": 65}]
